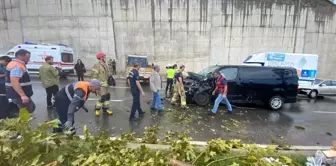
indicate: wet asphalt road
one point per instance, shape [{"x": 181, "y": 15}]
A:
[{"x": 251, "y": 124}]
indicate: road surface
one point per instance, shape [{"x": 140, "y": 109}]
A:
[{"x": 307, "y": 122}]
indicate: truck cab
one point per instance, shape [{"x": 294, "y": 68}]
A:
[{"x": 145, "y": 68}]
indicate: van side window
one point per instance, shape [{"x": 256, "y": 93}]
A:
[
  {"x": 288, "y": 74},
  {"x": 257, "y": 73},
  {"x": 229, "y": 73},
  {"x": 333, "y": 83},
  {"x": 328, "y": 83}
]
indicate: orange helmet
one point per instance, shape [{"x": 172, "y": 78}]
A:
[{"x": 100, "y": 55}]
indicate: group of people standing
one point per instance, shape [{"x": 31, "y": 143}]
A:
[{"x": 175, "y": 80}]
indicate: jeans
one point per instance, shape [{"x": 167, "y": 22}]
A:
[
  {"x": 220, "y": 99},
  {"x": 156, "y": 101},
  {"x": 136, "y": 106},
  {"x": 51, "y": 91}
]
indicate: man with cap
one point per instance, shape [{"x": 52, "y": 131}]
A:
[
  {"x": 100, "y": 71},
  {"x": 179, "y": 88},
  {"x": 70, "y": 99}
]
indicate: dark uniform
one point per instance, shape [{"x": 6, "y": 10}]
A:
[
  {"x": 133, "y": 77},
  {"x": 24, "y": 83},
  {"x": 3, "y": 97},
  {"x": 69, "y": 100}
]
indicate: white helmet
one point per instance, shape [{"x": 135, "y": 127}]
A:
[{"x": 169, "y": 65}]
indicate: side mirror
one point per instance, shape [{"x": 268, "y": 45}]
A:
[{"x": 322, "y": 85}]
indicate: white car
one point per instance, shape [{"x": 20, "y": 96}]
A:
[{"x": 320, "y": 87}]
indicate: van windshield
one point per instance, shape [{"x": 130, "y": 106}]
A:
[
  {"x": 67, "y": 57},
  {"x": 137, "y": 60},
  {"x": 208, "y": 70}
]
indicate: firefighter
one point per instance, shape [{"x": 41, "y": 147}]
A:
[
  {"x": 100, "y": 71},
  {"x": 70, "y": 99},
  {"x": 179, "y": 88}
]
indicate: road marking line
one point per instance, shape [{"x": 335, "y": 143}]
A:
[
  {"x": 119, "y": 87},
  {"x": 324, "y": 112},
  {"x": 93, "y": 99}
]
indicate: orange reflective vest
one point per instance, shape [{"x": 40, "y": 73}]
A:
[
  {"x": 70, "y": 89},
  {"x": 24, "y": 81}
]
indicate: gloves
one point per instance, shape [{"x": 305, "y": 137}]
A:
[
  {"x": 85, "y": 109},
  {"x": 69, "y": 129}
]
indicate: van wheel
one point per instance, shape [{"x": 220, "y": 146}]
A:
[
  {"x": 276, "y": 102},
  {"x": 313, "y": 94},
  {"x": 202, "y": 99}
]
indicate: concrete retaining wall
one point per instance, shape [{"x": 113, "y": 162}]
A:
[{"x": 197, "y": 33}]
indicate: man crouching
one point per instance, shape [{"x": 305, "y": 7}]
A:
[{"x": 70, "y": 99}]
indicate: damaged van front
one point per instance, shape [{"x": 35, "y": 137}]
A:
[{"x": 199, "y": 86}]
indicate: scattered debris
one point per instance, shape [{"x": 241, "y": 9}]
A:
[
  {"x": 328, "y": 133},
  {"x": 300, "y": 128}
]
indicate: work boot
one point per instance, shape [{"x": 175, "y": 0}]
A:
[
  {"x": 97, "y": 113},
  {"x": 184, "y": 107},
  {"x": 211, "y": 113},
  {"x": 108, "y": 112},
  {"x": 133, "y": 119}
]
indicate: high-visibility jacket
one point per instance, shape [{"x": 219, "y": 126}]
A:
[
  {"x": 70, "y": 89},
  {"x": 170, "y": 73},
  {"x": 24, "y": 81}
]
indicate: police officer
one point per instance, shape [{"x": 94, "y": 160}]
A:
[
  {"x": 100, "y": 71},
  {"x": 170, "y": 79},
  {"x": 136, "y": 89},
  {"x": 179, "y": 88},
  {"x": 70, "y": 99},
  {"x": 4, "y": 60},
  {"x": 18, "y": 84}
]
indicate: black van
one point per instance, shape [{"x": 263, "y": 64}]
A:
[{"x": 246, "y": 84}]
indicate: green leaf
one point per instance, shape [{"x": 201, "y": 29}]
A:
[
  {"x": 234, "y": 164},
  {"x": 36, "y": 159},
  {"x": 24, "y": 115},
  {"x": 286, "y": 159},
  {"x": 86, "y": 131}
]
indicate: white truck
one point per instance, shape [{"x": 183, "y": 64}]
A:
[
  {"x": 63, "y": 56},
  {"x": 306, "y": 64}
]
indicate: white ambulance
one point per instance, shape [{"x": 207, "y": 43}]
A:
[
  {"x": 306, "y": 64},
  {"x": 63, "y": 56}
]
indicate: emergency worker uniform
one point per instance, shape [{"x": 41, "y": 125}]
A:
[
  {"x": 3, "y": 97},
  {"x": 100, "y": 71},
  {"x": 69, "y": 100},
  {"x": 170, "y": 79},
  {"x": 179, "y": 90},
  {"x": 24, "y": 83},
  {"x": 136, "y": 106}
]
